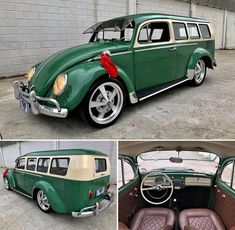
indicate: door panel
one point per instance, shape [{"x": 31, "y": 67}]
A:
[
  {"x": 225, "y": 206},
  {"x": 20, "y": 179}
]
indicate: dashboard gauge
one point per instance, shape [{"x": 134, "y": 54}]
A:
[{"x": 159, "y": 180}]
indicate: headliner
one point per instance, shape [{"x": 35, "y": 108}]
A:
[{"x": 134, "y": 148}]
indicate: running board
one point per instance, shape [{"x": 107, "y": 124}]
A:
[
  {"x": 156, "y": 90},
  {"x": 21, "y": 193}
]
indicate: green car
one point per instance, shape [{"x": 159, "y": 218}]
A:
[
  {"x": 127, "y": 60},
  {"x": 176, "y": 185},
  {"x": 72, "y": 181}
]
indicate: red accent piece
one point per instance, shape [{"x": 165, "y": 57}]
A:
[
  {"x": 108, "y": 64},
  {"x": 91, "y": 195},
  {"x": 5, "y": 173}
]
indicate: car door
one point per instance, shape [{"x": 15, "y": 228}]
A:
[
  {"x": 128, "y": 188},
  {"x": 19, "y": 173},
  {"x": 225, "y": 193},
  {"x": 154, "y": 55}
]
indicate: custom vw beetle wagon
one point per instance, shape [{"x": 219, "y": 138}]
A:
[
  {"x": 127, "y": 59},
  {"x": 66, "y": 181},
  {"x": 180, "y": 185}
]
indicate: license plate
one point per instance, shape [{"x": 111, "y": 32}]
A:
[
  {"x": 99, "y": 191},
  {"x": 24, "y": 105}
]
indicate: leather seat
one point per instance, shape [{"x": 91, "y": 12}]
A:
[
  {"x": 153, "y": 219},
  {"x": 200, "y": 219}
]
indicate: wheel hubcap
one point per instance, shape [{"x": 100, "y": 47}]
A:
[
  {"x": 106, "y": 103},
  {"x": 6, "y": 183},
  {"x": 200, "y": 71},
  {"x": 43, "y": 201}
]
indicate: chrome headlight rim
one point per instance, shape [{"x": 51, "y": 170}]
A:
[
  {"x": 30, "y": 73},
  {"x": 65, "y": 83}
]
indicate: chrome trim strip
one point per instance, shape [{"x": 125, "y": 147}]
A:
[
  {"x": 161, "y": 47},
  {"x": 21, "y": 193},
  {"x": 34, "y": 174},
  {"x": 150, "y": 95},
  {"x": 120, "y": 53}
]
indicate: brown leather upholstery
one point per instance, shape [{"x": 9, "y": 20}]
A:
[
  {"x": 200, "y": 219},
  {"x": 153, "y": 219},
  {"x": 122, "y": 226}
]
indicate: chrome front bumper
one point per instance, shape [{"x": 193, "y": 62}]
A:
[
  {"x": 96, "y": 209},
  {"x": 20, "y": 90}
]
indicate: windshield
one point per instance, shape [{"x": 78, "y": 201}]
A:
[
  {"x": 189, "y": 160},
  {"x": 116, "y": 29}
]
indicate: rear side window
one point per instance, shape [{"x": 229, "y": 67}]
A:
[
  {"x": 100, "y": 165},
  {"x": 31, "y": 164},
  {"x": 228, "y": 173},
  {"x": 180, "y": 31},
  {"x": 59, "y": 166},
  {"x": 20, "y": 163},
  {"x": 193, "y": 31},
  {"x": 205, "y": 31},
  {"x": 43, "y": 164}
]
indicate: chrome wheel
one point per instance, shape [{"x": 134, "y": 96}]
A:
[
  {"x": 105, "y": 103},
  {"x": 200, "y": 72},
  {"x": 43, "y": 201},
  {"x": 6, "y": 184}
]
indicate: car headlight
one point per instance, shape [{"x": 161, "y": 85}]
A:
[
  {"x": 59, "y": 84},
  {"x": 30, "y": 73}
]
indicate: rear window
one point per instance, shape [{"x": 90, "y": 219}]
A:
[
  {"x": 43, "y": 164},
  {"x": 20, "y": 164},
  {"x": 59, "y": 166},
  {"x": 31, "y": 164},
  {"x": 193, "y": 31},
  {"x": 100, "y": 165},
  {"x": 180, "y": 31},
  {"x": 205, "y": 31}
]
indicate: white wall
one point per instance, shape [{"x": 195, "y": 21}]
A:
[
  {"x": 11, "y": 152},
  {"x": 31, "y": 30}
]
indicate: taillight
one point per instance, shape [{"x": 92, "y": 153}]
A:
[
  {"x": 5, "y": 173},
  {"x": 108, "y": 186},
  {"x": 91, "y": 195}
]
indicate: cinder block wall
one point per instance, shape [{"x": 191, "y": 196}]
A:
[
  {"x": 8, "y": 154},
  {"x": 31, "y": 30}
]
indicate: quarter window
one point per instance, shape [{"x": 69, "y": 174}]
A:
[
  {"x": 205, "y": 31},
  {"x": 31, "y": 164},
  {"x": 154, "y": 32},
  {"x": 59, "y": 166},
  {"x": 125, "y": 172},
  {"x": 227, "y": 174},
  {"x": 180, "y": 31},
  {"x": 43, "y": 164},
  {"x": 100, "y": 165},
  {"x": 193, "y": 31},
  {"x": 20, "y": 163}
]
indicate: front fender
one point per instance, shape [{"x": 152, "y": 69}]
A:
[
  {"x": 53, "y": 197},
  {"x": 80, "y": 80},
  {"x": 11, "y": 180}
]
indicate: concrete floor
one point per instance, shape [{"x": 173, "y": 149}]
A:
[
  {"x": 20, "y": 212},
  {"x": 181, "y": 113}
]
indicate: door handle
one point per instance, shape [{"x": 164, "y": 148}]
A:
[{"x": 172, "y": 49}]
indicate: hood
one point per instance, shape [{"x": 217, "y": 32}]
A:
[{"x": 49, "y": 69}]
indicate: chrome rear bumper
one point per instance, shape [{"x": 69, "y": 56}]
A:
[
  {"x": 20, "y": 90},
  {"x": 96, "y": 209}
]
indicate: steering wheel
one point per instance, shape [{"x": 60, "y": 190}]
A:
[{"x": 158, "y": 182}]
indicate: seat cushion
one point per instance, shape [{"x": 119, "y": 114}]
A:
[
  {"x": 153, "y": 219},
  {"x": 200, "y": 219},
  {"x": 122, "y": 226}
]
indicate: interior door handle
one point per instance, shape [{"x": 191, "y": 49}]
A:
[{"x": 172, "y": 49}]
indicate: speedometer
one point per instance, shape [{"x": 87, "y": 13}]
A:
[{"x": 159, "y": 180}]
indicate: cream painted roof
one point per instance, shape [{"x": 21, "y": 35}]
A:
[{"x": 221, "y": 148}]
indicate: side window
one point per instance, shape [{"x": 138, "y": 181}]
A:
[
  {"x": 100, "y": 165},
  {"x": 226, "y": 175},
  {"x": 180, "y": 31},
  {"x": 43, "y": 164},
  {"x": 59, "y": 166},
  {"x": 193, "y": 31},
  {"x": 154, "y": 32},
  {"x": 31, "y": 164},
  {"x": 20, "y": 163},
  {"x": 125, "y": 172},
  {"x": 205, "y": 31}
]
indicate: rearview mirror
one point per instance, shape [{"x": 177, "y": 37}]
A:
[{"x": 176, "y": 160}]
